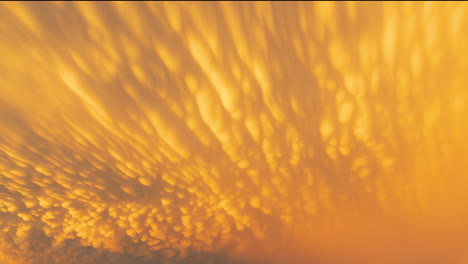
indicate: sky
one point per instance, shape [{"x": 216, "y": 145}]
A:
[{"x": 233, "y": 132}]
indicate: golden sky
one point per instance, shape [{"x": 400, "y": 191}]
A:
[{"x": 233, "y": 132}]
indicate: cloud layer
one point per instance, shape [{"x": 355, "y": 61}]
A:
[{"x": 221, "y": 132}]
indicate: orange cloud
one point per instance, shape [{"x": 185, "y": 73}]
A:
[{"x": 273, "y": 132}]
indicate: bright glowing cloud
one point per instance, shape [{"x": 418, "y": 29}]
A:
[{"x": 298, "y": 132}]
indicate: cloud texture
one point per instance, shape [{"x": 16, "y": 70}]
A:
[{"x": 225, "y": 132}]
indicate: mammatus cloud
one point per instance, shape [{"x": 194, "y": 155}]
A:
[{"x": 222, "y": 132}]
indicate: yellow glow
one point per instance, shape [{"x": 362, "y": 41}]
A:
[{"x": 275, "y": 131}]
